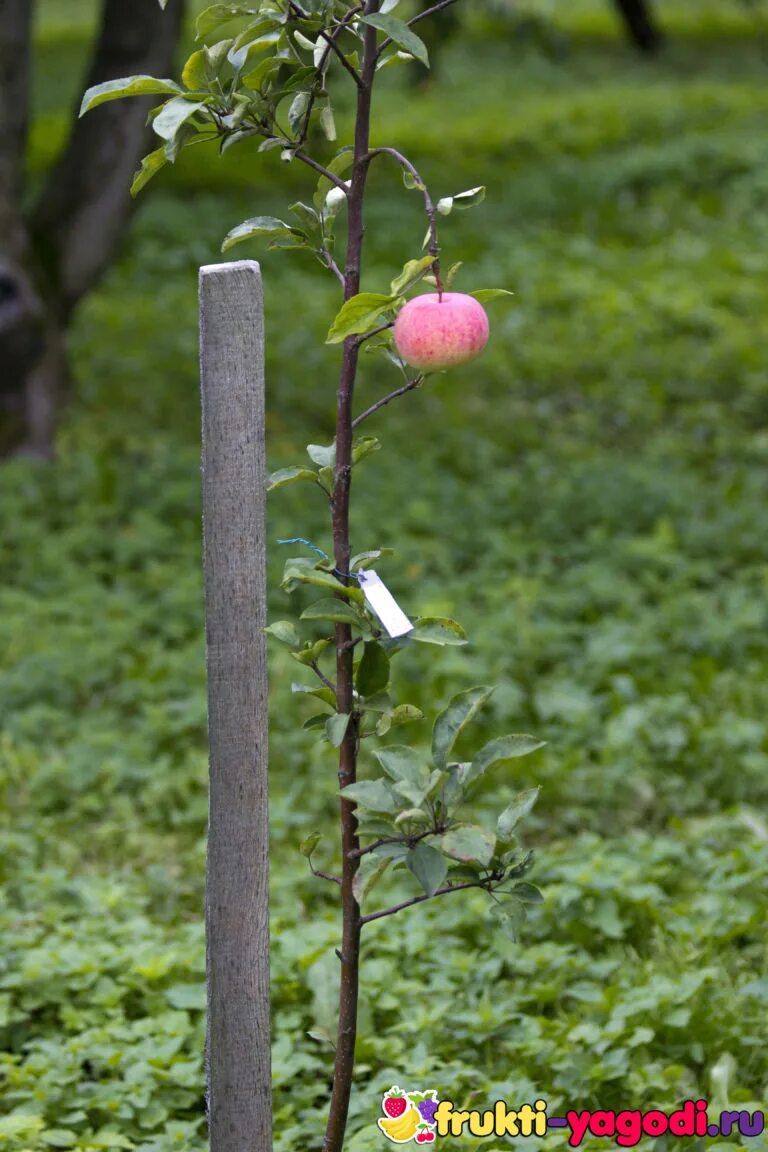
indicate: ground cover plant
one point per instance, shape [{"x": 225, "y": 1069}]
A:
[{"x": 592, "y": 504}]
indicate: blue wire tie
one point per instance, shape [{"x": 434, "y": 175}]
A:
[{"x": 319, "y": 551}]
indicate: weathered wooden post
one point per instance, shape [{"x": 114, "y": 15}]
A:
[{"x": 237, "y": 917}]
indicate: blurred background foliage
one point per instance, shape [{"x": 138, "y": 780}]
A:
[{"x": 588, "y": 499}]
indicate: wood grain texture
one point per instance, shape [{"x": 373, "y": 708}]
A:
[{"x": 237, "y": 914}]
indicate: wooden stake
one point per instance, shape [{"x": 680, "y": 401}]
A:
[{"x": 237, "y": 914}]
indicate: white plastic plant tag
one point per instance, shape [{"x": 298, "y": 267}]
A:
[{"x": 383, "y": 603}]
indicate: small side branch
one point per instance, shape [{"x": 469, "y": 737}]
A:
[
  {"x": 375, "y": 332},
  {"x": 409, "y": 387},
  {"x": 331, "y": 42},
  {"x": 486, "y": 884},
  {"x": 431, "y": 11},
  {"x": 322, "y": 676},
  {"x": 324, "y": 875},
  {"x": 331, "y": 264},
  {"x": 334, "y": 179},
  {"x": 429, "y": 206},
  {"x": 409, "y": 840}
]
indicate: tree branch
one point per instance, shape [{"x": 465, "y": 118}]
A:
[
  {"x": 431, "y": 11},
  {"x": 319, "y": 672},
  {"x": 409, "y": 840},
  {"x": 334, "y": 179},
  {"x": 375, "y": 332},
  {"x": 434, "y": 247},
  {"x": 409, "y": 387},
  {"x": 420, "y": 899},
  {"x": 324, "y": 875},
  {"x": 331, "y": 42}
]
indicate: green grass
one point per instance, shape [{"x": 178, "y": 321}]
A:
[{"x": 588, "y": 499}]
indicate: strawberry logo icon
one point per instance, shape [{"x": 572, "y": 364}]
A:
[{"x": 395, "y": 1102}]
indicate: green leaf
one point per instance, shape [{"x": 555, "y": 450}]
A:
[
  {"x": 310, "y": 654},
  {"x": 369, "y": 825},
  {"x": 510, "y": 916},
  {"x": 373, "y": 670},
  {"x": 412, "y": 272},
  {"x": 403, "y": 763},
  {"x": 239, "y": 55},
  {"x": 216, "y": 15},
  {"x": 173, "y": 114},
  {"x": 257, "y": 226},
  {"x": 264, "y": 71},
  {"x": 371, "y": 870},
  {"x": 466, "y": 199},
  {"x": 364, "y": 557},
  {"x": 415, "y": 794},
  {"x": 456, "y": 784},
  {"x": 336, "y": 611},
  {"x": 309, "y": 843},
  {"x": 297, "y": 111},
  {"x": 294, "y": 575},
  {"x": 150, "y": 166},
  {"x": 404, "y": 714},
  {"x": 484, "y": 295},
  {"x": 501, "y": 749},
  {"x": 375, "y": 795},
  {"x": 289, "y": 476},
  {"x": 358, "y": 315},
  {"x": 469, "y": 842},
  {"x": 410, "y": 181},
  {"x": 401, "y": 34},
  {"x": 414, "y": 816},
  {"x": 286, "y": 632},
  {"x": 363, "y": 447},
  {"x": 128, "y": 86},
  {"x": 517, "y": 810},
  {"x": 396, "y": 57},
  {"x": 324, "y": 456},
  {"x": 428, "y": 866},
  {"x": 327, "y": 121},
  {"x": 336, "y": 728},
  {"x": 197, "y": 71},
  {"x": 438, "y": 630},
  {"x": 316, "y": 721},
  {"x": 324, "y": 694},
  {"x": 452, "y": 721},
  {"x": 59, "y": 1138},
  {"x": 528, "y": 893}
]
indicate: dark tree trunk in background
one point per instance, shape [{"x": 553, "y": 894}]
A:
[
  {"x": 636, "y": 15},
  {"x": 640, "y": 22},
  {"x": 53, "y": 256},
  {"x": 21, "y": 314}
]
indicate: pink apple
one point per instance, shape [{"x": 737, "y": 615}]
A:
[{"x": 434, "y": 332}]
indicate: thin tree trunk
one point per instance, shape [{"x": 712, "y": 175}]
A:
[
  {"x": 350, "y": 946},
  {"x": 52, "y": 258}
]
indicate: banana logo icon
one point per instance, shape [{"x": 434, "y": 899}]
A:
[{"x": 402, "y": 1128}]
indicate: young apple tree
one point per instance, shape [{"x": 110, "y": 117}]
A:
[{"x": 265, "y": 71}]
